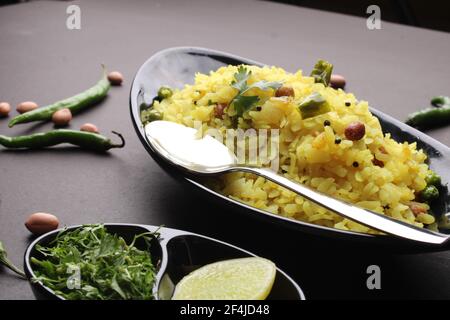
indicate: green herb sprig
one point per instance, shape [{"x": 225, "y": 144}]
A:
[{"x": 244, "y": 103}]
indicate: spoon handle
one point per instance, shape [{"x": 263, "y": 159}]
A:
[{"x": 366, "y": 217}]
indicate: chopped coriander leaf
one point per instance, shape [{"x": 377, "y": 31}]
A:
[
  {"x": 109, "y": 268},
  {"x": 243, "y": 103},
  {"x": 265, "y": 85},
  {"x": 322, "y": 72},
  {"x": 240, "y": 78},
  {"x": 313, "y": 105}
]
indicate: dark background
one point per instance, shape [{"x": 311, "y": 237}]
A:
[
  {"x": 431, "y": 14},
  {"x": 397, "y": 69},
  {"x": 420, "y": 13}
]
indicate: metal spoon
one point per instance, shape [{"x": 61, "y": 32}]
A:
[{"x": 180, "y": 146}]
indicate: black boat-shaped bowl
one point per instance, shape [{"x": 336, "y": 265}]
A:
[{"x": 176, "y": 67}]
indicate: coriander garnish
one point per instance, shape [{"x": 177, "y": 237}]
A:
[
  {"x": 244, "y": 103},
  {"x": 108, "y": 267}
]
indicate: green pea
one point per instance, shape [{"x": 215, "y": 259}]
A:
[
  {"x": 144, "y": 106},
  {"x": 429, "y": 193},
  {"x": 150, "y": 115},
  {"x": 154, "y": 115},
  {"x": 433, "y": 179},
  {"x": 164, "y": 92}
]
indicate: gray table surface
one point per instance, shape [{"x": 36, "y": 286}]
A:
[{"x": 396, "y": 68}]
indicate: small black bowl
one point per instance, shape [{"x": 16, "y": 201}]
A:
[
  {"x": 176, "y": 67},
  {"x": 175, "y": 253}
]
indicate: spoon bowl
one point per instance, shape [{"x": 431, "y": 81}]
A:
[{"x": 175, "y": 254}]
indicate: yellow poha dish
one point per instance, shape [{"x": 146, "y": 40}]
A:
[{"x": 316, "y": 146}]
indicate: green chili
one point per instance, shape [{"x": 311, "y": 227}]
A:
[
  {"x": 74, "y": 104},
  {"x": 313, "y": 105},
  {"x": 440, "y": 101},
  {"x": 322, "y": 72},
  {"x": 83, "y": 139},
  {"x": 430, "y": 117}
]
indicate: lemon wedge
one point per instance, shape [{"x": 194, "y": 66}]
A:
[{"x": 237, "y": 279}]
